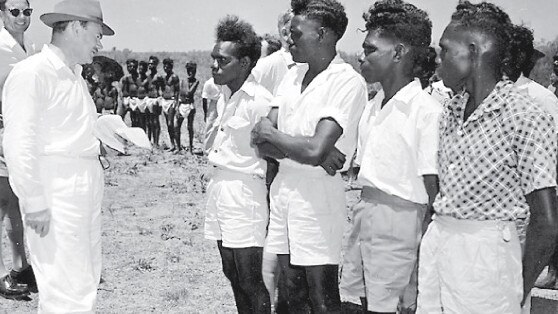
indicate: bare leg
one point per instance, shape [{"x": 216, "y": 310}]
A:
[
  {"x": 169, "y": 118},
  {"x": 178, "y": 119},
  {"x": 156, "y": 123},
  {"x": 191, "y": 116}
]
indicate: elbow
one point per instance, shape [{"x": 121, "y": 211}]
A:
[{"x": 316, "y": 157}]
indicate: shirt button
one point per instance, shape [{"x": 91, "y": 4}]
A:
[
  {"x": 460, "y": 133},
  {"x": 222, "y": 129},
  {"x": 451, "y": 166},
  {"x": 215, "y": 150}
]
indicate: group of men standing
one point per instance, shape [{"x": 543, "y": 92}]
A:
[
  {"x": 470, "y": 164},
  {"x": 476, "y": 162},
  {"x": 146, "y": 94}
]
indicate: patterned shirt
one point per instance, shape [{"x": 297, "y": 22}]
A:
[{"x": 505, "y": 150}]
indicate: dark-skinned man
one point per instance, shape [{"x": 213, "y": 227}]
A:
[
  {"x": 497, "y": 164},
  {"x": 319, "y": 105},
  {"x": 236, "y": 212}
]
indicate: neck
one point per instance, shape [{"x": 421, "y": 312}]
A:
[
  {"x": 321, "y": 61},
  {"x": 237, "y": 83},
  {"x": 18, "y": 38},
  {"x": 392, "y": 84},
  {"x": 479, "y": 87},
  {"x": 67, "y": 47}
]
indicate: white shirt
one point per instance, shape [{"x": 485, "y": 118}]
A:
[
  {"x": 270, "y": 70},
  {"x": 440, "y": 92},
  {"x": 541, "y": 95},
  {"x": 211, "y": 90},
  {"x": 237, "y": 116},
  {"x": 47, "y": 112},
  {"x": 400, "y": 143},
  {"x": 338, "y": 92},
  {"x": 10, "y": 54}
]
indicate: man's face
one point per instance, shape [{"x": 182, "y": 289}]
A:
[
  {"x": 88, "y": 41},
  {"x": 191, "y": 72},
  {"x": 226, "y": 66},
  {"x": 304, "y": 38},
  {"x": 132, "y": 67},
  {"x": 152, "y": 65},
  {"x": 14, "y": 24},
  {"x": 167, "y": 67},
  {"x": 455, "y": 58},
  {"x": 142, "y": 68},
  {"x": 377, "y": 58}
]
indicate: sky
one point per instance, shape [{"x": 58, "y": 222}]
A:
[{"x": 184, "y": 25}]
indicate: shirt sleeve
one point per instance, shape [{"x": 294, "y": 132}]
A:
[
  {"x": 22, "y": 114},
  {"x": 535, "y": 143},
  {"x": 344, "y": 97},
  {"x": 427, "y": 152}
]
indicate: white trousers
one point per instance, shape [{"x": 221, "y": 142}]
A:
[{"x": 67, "y": 261}]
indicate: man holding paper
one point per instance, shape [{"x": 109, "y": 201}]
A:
[{"x": 52, "y": 155}]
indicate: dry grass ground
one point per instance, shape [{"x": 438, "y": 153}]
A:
[{"x": 155, "y": 257}]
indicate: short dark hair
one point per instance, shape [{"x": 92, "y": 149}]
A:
[
  {"x": 144, "y": 63},
  {"x": 131, "y": 60},
  {"x": 168, "y": 61},
  {"x": 191, "y": 65},
  {"x": 491, "y": 20},
  {"x": 273, "y": 43},
  {"x": 155, "y": 59},
  {"x": 521, "y": 53},
  {"x": 401, "y": 20},
  {"x": 425, "y": 65},
  {"x": 3, "y": 4},
  {"x": 329, "y": 13},
  {"x": 233, "y": 29},
  {"x": 59, "y": 27},
  {"x": 396, "y": 19}
]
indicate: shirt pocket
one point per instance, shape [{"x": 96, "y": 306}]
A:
[{"x": 239, "y": 133}]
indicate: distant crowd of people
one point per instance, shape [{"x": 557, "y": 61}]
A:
[{"x": 456, "y": 155}]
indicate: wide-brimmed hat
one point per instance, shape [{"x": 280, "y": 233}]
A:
[{"x": 77, "y": 10}]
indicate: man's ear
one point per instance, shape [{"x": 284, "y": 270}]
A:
[
  {"x": 245, "y": 62},
  {"x": 400, "y": 52}
]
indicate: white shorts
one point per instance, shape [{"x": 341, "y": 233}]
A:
[
  {"x": 470, "y": 267},
  {"x": 382, "y": 249},
  {"x": 185, "y": 109},
  {"x": 308, "y": 211},
  {"x": 236, "y": 210},
  {"x": 126, "y": 102},
  {"x": 133, "y": 103},
  {"x": 152, "y": 105},
  {"x": 166, "y": 104},
  {"x": 142, "y": 104}
]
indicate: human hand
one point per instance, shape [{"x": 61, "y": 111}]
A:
[
  {"x": 334, "y": 161},
  {"x": 262, "y": 131},
  {"x": 39, "y": 221}
]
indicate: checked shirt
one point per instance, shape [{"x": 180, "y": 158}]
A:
[{"x": 505, "y": 150}]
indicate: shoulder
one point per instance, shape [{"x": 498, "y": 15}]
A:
[
  {"x": 519, "y": 106},
  {"x": 344, "y": 72},
  {"x": 426, "y": 103}
]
